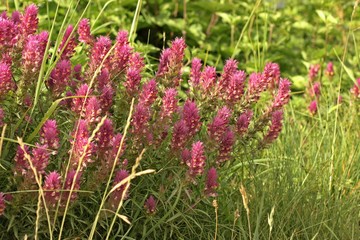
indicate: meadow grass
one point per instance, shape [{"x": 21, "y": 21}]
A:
[{"x": 304, "y": 186}]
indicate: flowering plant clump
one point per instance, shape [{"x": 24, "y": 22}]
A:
[{"x": 80, "y": 143}]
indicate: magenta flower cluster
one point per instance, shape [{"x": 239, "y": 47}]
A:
[{"x": 200, "y": 127}]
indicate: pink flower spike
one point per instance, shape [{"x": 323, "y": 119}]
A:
[
  {"x": 30, "y": 20},
  {"x": 150, "y": 205},
  {"x": 219, "y": 124},
  {"x": 314, "y": 71},
  {"x": 98, "y": 53},
  {"x": 33, "y": 53},
  {"x": 355, "y": 90},
  {"x": 255, "y": 85},
  {"x": 211, "y": 183},
  {"x": 77, "y": 103},
  {"x": 197, "y": 162},
  {"x": 92, "y": 110},
  {"x": 115, "y": 143},
  {"x": 315, "y": 90},
  {"x": 283, "y": 94},
  {"x": 6, "y": 82},
  {"x": 330, "y": 70},
  {"x": 208, "y": 78},
  {"x": 226, "y": 143},
  {"x": 21, "y": 163},
  {"x": 140, "y": 120},
  {"x": 122, "y": 54},
  {"x": 84, "y": 32},
  {"x": 106, "y": 98},
  {"x": 103, "y": 78},
  {"x": 229, "y": 70},
  {"x": 117, "y": 195},
  {"x": 52, "y": 188},
  {"x": 313, "y": 107},
  {"x": 180, "y": 135},
  {"x": 195, "y": 72},
  {"x": 60, "y": 77},
  {"x": 49, "y": 134},
  {"x": 148, "y": 94},
  {"x": 242, "y": 124},
  {"x": 235, "y": 89},
  {"x": 105, "y": 135},
  {"x": 271, "y": 74},
  {"x": 169, "y": 103},
  {"x": 40, "y": 157},
  {"x": 133, "y": 79},
  {"x": 185, "y": 156},
  {"x": 69, "y": 181},
  {"x": 190, "y": 114},
  {"x": 7, "y": 33},
  {"x": 68, "y": 43},
  {"x": 275, "y": 127}
]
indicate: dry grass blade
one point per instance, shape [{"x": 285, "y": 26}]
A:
[
  {"x": 1, "y": 143},
  {"x": 41, "y": 191}
]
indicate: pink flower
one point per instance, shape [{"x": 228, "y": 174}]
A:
[
  {"x": 226, "y": 143},
  {"x": 92, "y": 110},
  {"x": 49, "y": 134},
  {"x": 52, "y": 188},
  {"x": 29, "y": 23},
  {"x": 242, "y": 123},
  {"x": 105, "y": 135},
  {"x": 275, "y": 127},
  {"x": 186, "y": 156},
  {"x": 115, "y": 143},
  {"x": 355, "y": 90},
  {"x": 195, "y": 72},
  {"x": 6, "y": 82},
  {"x": 98, "y": 53},
  {"x": 77, "y": 76},
  {"x": 133, "y": 78},
  {"x": 148, "y": 94},
  {"x": 103, "y": 78},
  {"x": 82, "y": 150},
  {"x": 169, "y": 104},
  {"x": 2, "y": 203},
  {"x": 190, "y": 114},
  {"x": 122, "y": 53},
  {"x": 7, "y": 33},
  {"x": 219, "y": 124},
  {"x": 140, "y": 119},
  {"x": 68, "y": 43},
  {"x": 33, "y": 53},
  {"x": 208, "y": 78},
  {"x": 314, "y": 71},
  {"x": 180, "y": 135},
  {"x": 211, "y": 183},
  {"x": 313, "y": 107},
  {"x": 330, "y": 69},
  {"x": 60, "y": 77},
  {"x": 235, "y": 87},
  {"x": 271, "y": 74},
  {"x": 106, "y": 98},
  {"x": 40, "y": 157},
  {"x": 171, "y": 63},
  {"x": 16, "y": 17},
  {"x": 197, "y": 162},
  {"x": 21, "y": 163},
  {"x": 78, "y": 102},
  {"x": 150, "y": 205},
  {"x": 229, "y": 70},
  {"x": 315, "y": 90},
  {"x": 283, "y": 94},
  {"x": 84, "y": 32},
  {"x": 256, "y": 86},
  {"x": 117, "y": 195},
  {"x": 69, "y": 181}
]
